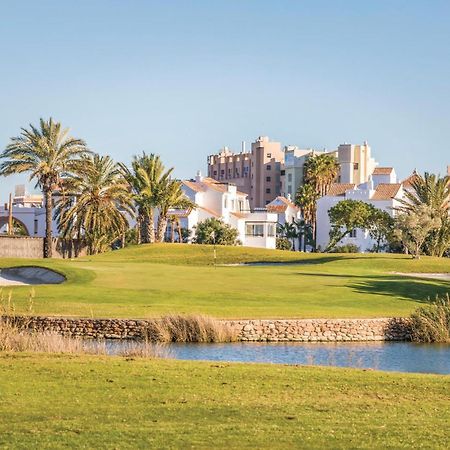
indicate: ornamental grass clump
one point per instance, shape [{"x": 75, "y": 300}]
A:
[
  {"x": 431, "y": 323},
  {"x": 176, "y": 328}
]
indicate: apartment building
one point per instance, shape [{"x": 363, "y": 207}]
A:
[
  {"x": 257, "y": 173},
  {"x": 222, "y": 200}
]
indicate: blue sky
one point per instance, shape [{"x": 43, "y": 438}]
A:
[{"x": 183, "y": 78}]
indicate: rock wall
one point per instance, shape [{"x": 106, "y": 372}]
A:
[
  {"x": 328, "y": 330},
  {"x": 306, "y": 330}
]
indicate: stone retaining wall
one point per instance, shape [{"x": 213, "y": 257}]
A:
[{"x": 306, "y": 330}]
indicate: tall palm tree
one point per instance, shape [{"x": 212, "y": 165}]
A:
[
  {"x": 146, "y": 178},
  {"x": 171, "y": 196},
  {"x": 96, "y": 204},
  {"x": 321, "y": 171},
  {"x": 48, "y": 153},
  {"x": 306, "y": 199},
  {"x": 434, "y": 192}
]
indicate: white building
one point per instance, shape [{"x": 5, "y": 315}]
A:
[
  {"x": 285, "y": 210},
  {"x": 382, "y": 191},
  {"x": 223, "y": 201}
]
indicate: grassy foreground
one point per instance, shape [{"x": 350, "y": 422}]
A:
[
  {"x": 105, "y": 402},
  {"x": 153, "y": 280}
]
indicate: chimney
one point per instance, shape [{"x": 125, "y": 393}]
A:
[
  {"x": 243, "y": 146},
  {"x": 198, "y": 177}
]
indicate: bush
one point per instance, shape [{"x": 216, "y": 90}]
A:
[
  {"x": 347, "y": 248},
  {"x": 215, "y": 231},
  {"x": 432, "y": 323},
  {"x": 283, "y": 243},
  {"x": 177, "y": 328}
]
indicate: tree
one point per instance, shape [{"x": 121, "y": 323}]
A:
[
  {"x": 434, "y": 192},
  {"x": 288, "y": 230},
  {"x": 413, "y": 227},
  {"x": 306, "y": 199},
  {"x": 171, "y": 196},
  {"x": 381, "y": 227},
  {"x": 346, "y": 216},
  {"x": 96, "y": 205},
  {"x": 49, "y": 154},
  {"x": 320, "y": 172},
  {"x": 215, "y": 231},
  {"x": 146, "y": 178}
]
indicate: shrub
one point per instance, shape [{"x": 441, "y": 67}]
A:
[
  {"x": 177, "y": 328},
  {"x": 347, "y": 248},
  {"x": 283, "y": 243},
  {"x": 431, "y": 323},
  {"x": 215, "y": 231}
]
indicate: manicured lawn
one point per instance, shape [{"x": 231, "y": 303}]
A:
[
  {"x": 100, "y": 402},
  {"x": 159, "y": 279}
]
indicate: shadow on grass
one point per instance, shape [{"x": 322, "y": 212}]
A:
[{"x": 421, "y": 290}]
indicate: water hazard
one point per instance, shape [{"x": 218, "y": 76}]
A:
[{"x": 389, "y": 356}]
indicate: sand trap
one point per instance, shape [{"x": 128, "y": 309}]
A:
[
  {"x": 23, "y": 276},
  {"x": 432, "y": 276}
]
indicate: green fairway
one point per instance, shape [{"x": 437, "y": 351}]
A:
[
  {"x": 100, "y": 402},
  {"x": 153, "y": 280}
]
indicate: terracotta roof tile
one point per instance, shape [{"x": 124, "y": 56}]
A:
[
  {"x": 407, "y": 182},
  {"x": 383, "y": 170},
  {"x": 275, "y": 206},
  {"x": 386, "y": 191},
  {"x": 239, "y": 215},
  {"x": 339, "y": 189},
  {"x": 209, "y": 211}
]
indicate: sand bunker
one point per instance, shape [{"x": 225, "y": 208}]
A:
[
  {"x": 23, "y": 276},
  {"x": 432, "y": 276}
]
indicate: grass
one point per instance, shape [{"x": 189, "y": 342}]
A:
[
  {"x": 155, "y": 280},
  {"x": 54, "y": 401}
]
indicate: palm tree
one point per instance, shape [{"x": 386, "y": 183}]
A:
[
  {"x": 48, "y": 153},
  {"x": 96, "y": 204},
  {"x": 175, "y": 226},
  {"x": 171, "y": 196},
  {"x": 434, "y": 192},
  {"x": 146, "y": 179},
  {"x": 289, "y": 231},
  {"x": 306, "y": 199},
  {"x": 321, "y": 171}
]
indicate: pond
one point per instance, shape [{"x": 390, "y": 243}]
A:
[{"x": 389, "y": 356}]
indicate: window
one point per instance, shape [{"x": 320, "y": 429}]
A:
[
  {"x": 215, "y": 172},
  {"x": 289, "y": 189},
  {"x": 222, "y": 172},
  {"x": 35, "y": 226},
  {"x": 254, "y": 229},
  {"x": 355, "y": 166},
  {"x": 267, "y": 202},
  {"x": 225, "y": 202},
  {"x": 289, "y": 176},
  {"x": 269, "y": 155},
  {"x": 283, "y": 172},
  {"x": 269, "y": 167},
  {"x": 270, "y": 230},
  {"x": 267, "y": 179},
  {"x": 241, "y": 205},
  {"x": 268, "y": 191},
  {"x": 353, "y": 233}
]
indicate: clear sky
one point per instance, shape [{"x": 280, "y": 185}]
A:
[{"x": 183, "y": 78}]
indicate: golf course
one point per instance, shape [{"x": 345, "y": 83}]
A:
[{"x": 153, "y": 280}]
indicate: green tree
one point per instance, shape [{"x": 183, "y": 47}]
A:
[
  {"x": 289, "y": 231},
  {"x": 434, "y": 192},
  {"x": 346, "y": 216},
  {"x": 320, "y": 172},
  {"x": 96, "y": 205},
  {"x": 215, "y": 231},
  {"x": 171, "y": 196},
  {"x": 48, "y": 153},
  {"x": 381, "y": 227},
  {"x": 413, "y": 227},
  {"x": 146, "y": 178},
  {"x": 306, "y": 199}
]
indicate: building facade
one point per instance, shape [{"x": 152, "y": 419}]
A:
[{"x": 257, "y": 173}]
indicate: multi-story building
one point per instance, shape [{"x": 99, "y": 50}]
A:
[
  {"x": 257, "y": 173},
  {"x": 356, "y": 163},
  {"x": 222, "y": 200}
]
